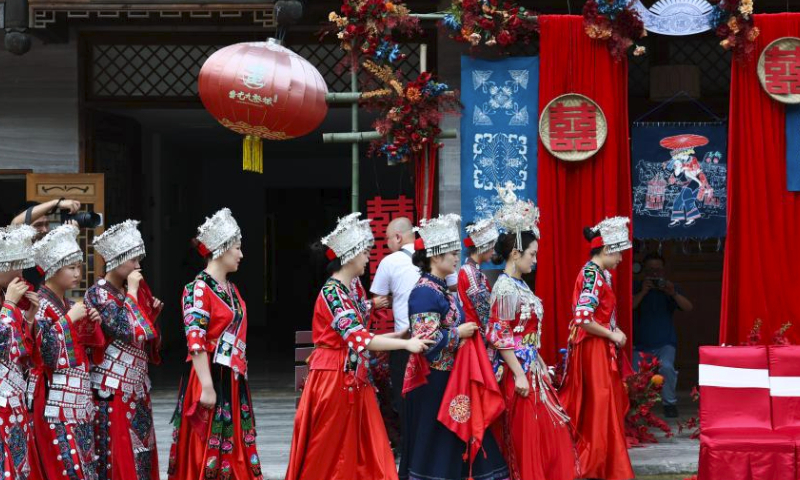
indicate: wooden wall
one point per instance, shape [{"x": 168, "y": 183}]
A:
[{"x": 39, "y": 108}]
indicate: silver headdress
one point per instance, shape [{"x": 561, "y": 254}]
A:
[
  {"x": 440, "y": 235},
  {"x": 15, "y": 248},
  {"x": 219, "y": 233},
  {"x": 483, "y": 234},
  {"x": 350, "y": 237},
  {"x": 57, "y": 249},
  {"x": 517, "y": 216},
  {"x": 614, "y": 231},
  {"x": 120, "y": 243}
]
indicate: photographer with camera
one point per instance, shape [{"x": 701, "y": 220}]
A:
[
  {"x": 654, "y": 302},
  {"x": 37, "y": 216},
  {"x": 36, "y": 213}
]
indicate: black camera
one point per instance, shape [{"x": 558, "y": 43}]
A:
[
  {"x": 658, "y": 282},
  {"x": 83, "y": 219}
]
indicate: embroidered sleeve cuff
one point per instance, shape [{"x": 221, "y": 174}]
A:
[
  {"x": 196, "y": 339},
  {"x": 359, "y": 339},
  {"x": 499, "y": 335},
  {"x": 584, "y": 315},
  {"x": 452, "y": 340}
]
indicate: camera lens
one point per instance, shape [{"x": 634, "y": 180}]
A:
[{"x": 83, "y": 219}]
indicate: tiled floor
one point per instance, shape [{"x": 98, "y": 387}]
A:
[{"x": 274, "y": 406}]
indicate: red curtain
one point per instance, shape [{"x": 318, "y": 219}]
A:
[
  {"x": 424, "y": 197},
  {"x": 760, "y": 278},
  {"x": 574, "y": 195}
]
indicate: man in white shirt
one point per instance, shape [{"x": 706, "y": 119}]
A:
[{"x": 396, "y": 277}]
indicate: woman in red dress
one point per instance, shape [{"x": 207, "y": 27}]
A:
[
  {"x": 473, "y": 287},
  {"x": 593, "y": 391},
  {"x": 214, "y": 429},
  {"x": 18, "y": 307},
  {"x": 124, "y": 432},
  {"x": 535, "y": 432},
  {"x": 338, "y": 430},
  {"x": 62, "y": 397}
]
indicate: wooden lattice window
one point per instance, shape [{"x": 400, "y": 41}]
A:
[
  {"x": 147, "y": 70},
  {"x": 714, "y": 62},
  {"x": 152, "y": 71},
  {"x": 700, "y": 50}
]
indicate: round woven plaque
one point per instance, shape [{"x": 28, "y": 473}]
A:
[
  {"x": 779, "y": 82},
  {"x": 573, "y": 127}
]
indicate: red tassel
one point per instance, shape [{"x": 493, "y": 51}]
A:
[
  {"x": 330, "y": 254},
  {"x": 419, "y": 244},
  {"x": 597, "y": 242},
  {"x": 40, "y": 270},
  {"x": 468, "y": 242}
]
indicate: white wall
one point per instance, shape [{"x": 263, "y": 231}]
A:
[{"x": 39, "y": 108}]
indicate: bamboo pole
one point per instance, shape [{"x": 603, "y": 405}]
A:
[
  {"x": 354, "y": 124},
  {"x": 440, "y": 16},
  {"x": 349, "y": 137},
  {"x": 343, "y": 97}
]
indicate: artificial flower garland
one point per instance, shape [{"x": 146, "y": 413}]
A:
[
  {"x": 732, "y": 21},
  {"x": 615, "y": 22},
  {"x": 492, "y": 23},
  {"x": 365, "y": 27},
  {"x": 410, "y": 114}
]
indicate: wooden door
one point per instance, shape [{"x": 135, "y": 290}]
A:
[{"x": 87, "y": 188}]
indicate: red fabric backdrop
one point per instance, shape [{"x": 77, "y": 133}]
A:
[
  {"x": 576, "y": 195},
  {"x": 760, "y": 278},
  {"x": 424, "y": 198}
]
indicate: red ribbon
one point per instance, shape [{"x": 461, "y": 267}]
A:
[
  {"x": 40, "y": 270},
  {"x": 203, "y": 250},
  {"x": 419, "y": 244},
  {"x": 468, "y": 242},
  {"x": 597, "y": 242},
  {"x": 330, "y": 254}
]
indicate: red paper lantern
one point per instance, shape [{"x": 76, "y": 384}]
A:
[{"x": 262, "y": 90}]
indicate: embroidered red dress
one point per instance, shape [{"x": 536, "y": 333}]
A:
[
  {"x": 474, "y": 292},
  {"x": 338, "y": 429},
  {"x": 125, "y": 439},
  {"x": 19, "y": 459},
  {"x": 63, "y": 409},
  {"x": 593, "y": 392},
  {"x": 535, "y": 432},
  {"x": 215, "y": 320}
]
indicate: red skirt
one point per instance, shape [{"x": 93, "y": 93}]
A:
[
  {"x": 62, "y": 447},
  {"x": 16, "y": 441},
  {"x": 227, "y": 449},
  {"x": 125, "y": 439},
  {"x": 594, "y": 397},
  {"x": 536, "y": 446},
  {"x": 339, "y": 436}
]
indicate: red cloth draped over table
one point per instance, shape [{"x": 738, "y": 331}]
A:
[
  {"x": 574, "y": 195},
  {"x": 737, "y": 441},
  {"x": 763, "y": 217}
]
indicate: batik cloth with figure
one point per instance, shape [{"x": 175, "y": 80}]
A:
[
  {"x": 18, "y": 457},
  {"x": 535, "y": 432},
  {"x": 125, "y": 439},
  {"x": 593, "y": 392},
  {"x": 338, "y": 401},
  {"x": 224, "y": 448},
  {"x": 63, "y": 409},
  {"x": 431, "y": 450}
]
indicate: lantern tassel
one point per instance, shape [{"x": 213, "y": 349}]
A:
[{"x": 252, "y": 154}]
